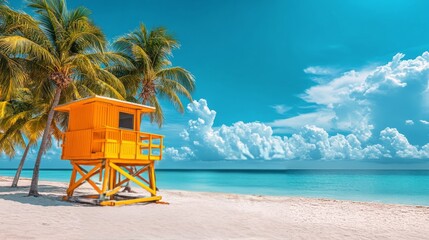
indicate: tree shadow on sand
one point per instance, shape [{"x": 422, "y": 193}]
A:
[{"x": 49, "y": 195}]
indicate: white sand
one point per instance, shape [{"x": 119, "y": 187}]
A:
[{"x": 193, "y": 215}]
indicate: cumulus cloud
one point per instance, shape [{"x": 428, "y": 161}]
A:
[
  {"x": 398, "y": 146},
  {"x": 360, "y": 101},
  {"x": 359, "y": 114},
  {"x": 255, "y": 140},
  {"x": 182, "y": 154}
]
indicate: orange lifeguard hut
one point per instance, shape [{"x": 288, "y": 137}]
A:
[{"x": 103, "y": 140}]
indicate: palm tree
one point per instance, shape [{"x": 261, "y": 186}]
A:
[
  {"x": 66, "y": 51},
  {"x": 23, "y": 119},
  {"x": 152, "y": 74},
  {"x": 9, "y": 142},
  {"x": 12, "y": 107}
]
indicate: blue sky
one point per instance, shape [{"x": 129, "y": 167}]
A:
[{"x": 289, "y": 84}]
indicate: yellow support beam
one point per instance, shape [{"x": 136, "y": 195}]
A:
[
  {"x": 136, "y": 174},
  {"x": 106, "y": 179},
  {"x": 130, "y": 201},
  {"x": 132, "y": 178},
  {"x": 113, "y": 192},
  {"x": 152, "y": 177}
]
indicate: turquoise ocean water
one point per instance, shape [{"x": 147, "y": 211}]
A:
[{"x": 387, "y": 186}]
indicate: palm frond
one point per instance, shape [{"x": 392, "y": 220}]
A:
[
  {"x": 12, "y": 76},
  {"x": 19, "y": 23},
  {"x": 21, "y": 46},
  {"x": 168, "y": 85},
  {"x": 83, "y": 35},
  {"x": 179, "y": 74},
  {"x": 50, "y": 14}
]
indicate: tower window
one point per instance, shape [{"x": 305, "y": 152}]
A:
[{"x": 126, "y": 120}]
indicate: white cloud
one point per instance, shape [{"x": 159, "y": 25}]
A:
[
  {"x": 360, "y": 101},
  {"x": 322, "y": 118},
  {"x": 185, "y": 153},
  {"x": 398, "y": 143},
  {"x": 255, "y": 140},
  {"x": 409, "y": 122},
  {"x": 317, "y": 70},
  {"x": 424, "y": 122},
  {"x": 321, "y": 74},
  {"x": 338, "y": 109},
  {"x": 366, "y": 106},
  {"x": 280, "y": 108},
  {"x": 337, "y": 90}
]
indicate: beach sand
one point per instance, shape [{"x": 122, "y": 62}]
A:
[{"x": 194, "y": 215}]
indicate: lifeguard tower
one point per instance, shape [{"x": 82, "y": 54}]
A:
[{"x": 103, "y": 141}]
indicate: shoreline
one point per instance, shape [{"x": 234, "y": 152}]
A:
[
  {"x": 251, "y": 195},
  {"x": 203, "y": 215},
  {"x": 389, "y": 187},
  {"x": 8, "y": 178}
]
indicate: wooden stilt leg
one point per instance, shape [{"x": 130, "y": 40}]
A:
[
  {"x": 112, "y": 181},
  {"x": 119, "y": 178},
  {"x": 72, "y": 181},
  {"x": 152, "y": 178},
  {"x": 106, "y": 178},
  {"x": 100, "y": 177}
]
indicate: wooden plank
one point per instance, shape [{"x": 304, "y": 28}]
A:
[
  {"x": 113, "y": 192},
  {"x": 130, "y": 201},
  {"x": 152, "y": 178},
  {"x": 132, "y": 178},
  {"x": 81, "y": 180},
  {"x": 106, "y": 177},
  {"x": 137, "y": 173},
  {"x": 72, "y": 181},
  {"x": 83, "y": 172}
]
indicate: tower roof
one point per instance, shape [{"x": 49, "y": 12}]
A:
[{"x": 66, "y": 107}]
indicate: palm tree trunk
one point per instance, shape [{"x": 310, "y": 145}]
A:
[
  {"x": 35, "y": 179},
  {"x": 21, "y": 165}
]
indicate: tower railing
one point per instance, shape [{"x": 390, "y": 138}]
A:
[{"x": 115, "y": 143}]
